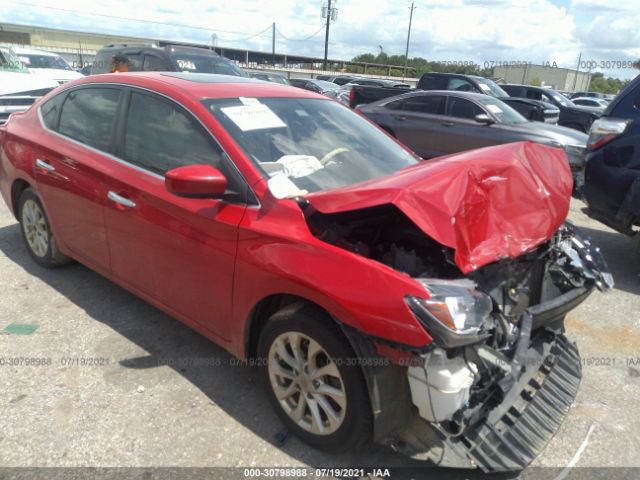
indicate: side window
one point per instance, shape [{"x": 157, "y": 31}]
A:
[
  {"x": 160, "y": 137},
  {"x": 460, "y": 85},
  {"x": 433, "y": 82},
  {"x": 431, "y": 104},
  {"x": 534, "y": 95},
  {"x": 135, "y": 60},
  {"x": 397, "y": 105},
  {"x": 154, "y": 64},
  {"x": 88, "y": 116},
  {"x": 50, "y": 111},
  {"x": 461, "y": 108}
]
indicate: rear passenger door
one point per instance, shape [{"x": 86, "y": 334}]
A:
[
  {"x": 178, "y": 251},
  {"x": 70, "y": 168},
  {"x": 417, "y": 121}
]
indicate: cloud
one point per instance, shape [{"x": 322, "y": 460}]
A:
[{"x": 472, "y": 30}]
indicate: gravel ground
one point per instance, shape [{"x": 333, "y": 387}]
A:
[{"x": 156, "y": 394}]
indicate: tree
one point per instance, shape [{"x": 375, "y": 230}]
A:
[
  {"x": 416, "y": 65},
  {"x": 536, "y": 82}
]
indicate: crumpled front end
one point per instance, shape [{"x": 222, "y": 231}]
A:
[{"x": 492, "y": 391}]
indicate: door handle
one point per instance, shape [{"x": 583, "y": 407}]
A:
[
  {"x": 44, "y": 165},
  {"x": 447, "y": 124},
  {"x": 120, "y": 200},
  {"x": 400, "y": 118}
]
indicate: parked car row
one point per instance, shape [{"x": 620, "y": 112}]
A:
[
  {"x": 443, "y": 122},
  {"x": 419, "y": 304},
  {"x": 612, "y": 166},
  {"x": 19, "y": 89}
]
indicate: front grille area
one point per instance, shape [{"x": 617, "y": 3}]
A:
[
  {"x": 517, "y": 432},
  {"x": 551, "y": 117},
  {"x": 17, "y": 100}
]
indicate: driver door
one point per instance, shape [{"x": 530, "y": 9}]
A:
[{"x": 178, "y": 251}]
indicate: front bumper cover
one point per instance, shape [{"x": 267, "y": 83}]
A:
[{"x": 531, "y": 413}]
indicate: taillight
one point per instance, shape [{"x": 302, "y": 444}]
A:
[
  {"x": 604, "y": 130},
  {"x": 352, "y": 95}
]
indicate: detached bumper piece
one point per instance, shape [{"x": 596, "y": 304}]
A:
[{"x": 521, "y": 426}]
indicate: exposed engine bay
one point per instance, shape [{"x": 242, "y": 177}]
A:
[{"x": 498, "y": 345}]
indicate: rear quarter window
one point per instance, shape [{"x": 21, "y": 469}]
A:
[{"x": 50, "y": 111}]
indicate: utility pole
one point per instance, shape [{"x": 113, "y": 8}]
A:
[
  {"x": 326, "y": 36},
  {"x": 273, "y": 45},
  {"x": 406, "y": 52},
  {"x": 575, "y": 77}
]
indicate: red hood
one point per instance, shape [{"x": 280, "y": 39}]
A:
[{"x": 486, "y": 204}]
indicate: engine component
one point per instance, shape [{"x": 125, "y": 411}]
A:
[{"x": 440, "y": 387}]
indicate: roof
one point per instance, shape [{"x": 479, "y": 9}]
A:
[
  {"x": 481, "y": 97},
  {"x": 201, "y": 85},
  {"x": 32, "y": 51}
]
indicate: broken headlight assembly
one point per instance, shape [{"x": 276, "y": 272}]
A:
[{"x": 455, "y": 313}]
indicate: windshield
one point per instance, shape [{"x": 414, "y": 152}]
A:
[
  {"x": 503, "y": 112},
  {"x": 309, "y": 144},
  {"x": 33, "y": 60},
  {"x": 8, "y": 61},
  {"x": 489, "y": 87},
  {"x": 195, "y": 63},
  {"x": 561, "y": 99}
]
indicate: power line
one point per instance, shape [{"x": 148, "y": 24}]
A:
[
  {"x": 154, "y": 22},
  {"x": 300, "y": 39}
]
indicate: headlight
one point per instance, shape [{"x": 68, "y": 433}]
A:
[{"x": 454, "y": 314}]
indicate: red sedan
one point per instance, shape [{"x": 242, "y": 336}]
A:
[{"x": 418, "y": 304}]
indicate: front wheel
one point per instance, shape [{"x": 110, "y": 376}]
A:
[
  {"x": 36, "y": 232},
  {"x": 314, "y": 382}
]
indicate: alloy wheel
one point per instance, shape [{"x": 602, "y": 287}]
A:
[
  {"x": 307, "y": 383},
  {"x": 35, "y": 228}
]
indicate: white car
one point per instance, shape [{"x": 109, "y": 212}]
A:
[
  {"x": 19, "y": 89},
  {"x": 47, "y": 64}
]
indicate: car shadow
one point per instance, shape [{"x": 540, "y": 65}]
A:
[
  {"x": 622, "y": 258},
  {"x": 234, "y": 388}
]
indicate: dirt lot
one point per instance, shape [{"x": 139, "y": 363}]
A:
[{"x": 115, "y": 382}]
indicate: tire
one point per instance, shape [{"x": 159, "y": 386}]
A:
[
  {"x": 36, "y": 232},
  {"x": 351, "y": 425}
]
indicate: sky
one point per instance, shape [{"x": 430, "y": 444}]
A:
[{"x": 553, "y": 32}]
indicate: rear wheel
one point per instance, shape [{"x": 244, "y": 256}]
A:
[
  {"x": 36, "y": 232},
  {"x": 314, "y": 384}
]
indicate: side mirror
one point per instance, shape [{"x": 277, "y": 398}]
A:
[
  {"x": 483, "y": 118},
  {"x": 196, "y": 181}
]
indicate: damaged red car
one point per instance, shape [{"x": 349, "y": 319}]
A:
[{"x": 387, "y": 299}]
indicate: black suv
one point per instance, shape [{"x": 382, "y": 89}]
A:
[
  {"x": 571, "y": 115},
  {"x": 612, "y": 167},
  {"x": 169, "y": 58},
  {"x": 530, "y": 109}
]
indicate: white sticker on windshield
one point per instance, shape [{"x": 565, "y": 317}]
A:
[
  {"x": 281, "y": 187},
  {"x": 249, "y": 101},
  {"x": 253, "y": 117},
  {"x": 494, "y": 109},
  {"x": 297, "y": 166},
  {"x": 484, "y": 87}
]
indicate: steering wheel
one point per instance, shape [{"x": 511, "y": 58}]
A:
[{"x": 329, "y": 156}]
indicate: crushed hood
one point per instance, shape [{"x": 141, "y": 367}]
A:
[{"x": 486, "y": 204}]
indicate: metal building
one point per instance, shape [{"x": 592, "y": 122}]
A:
[{"x": 549, "y": 75}]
